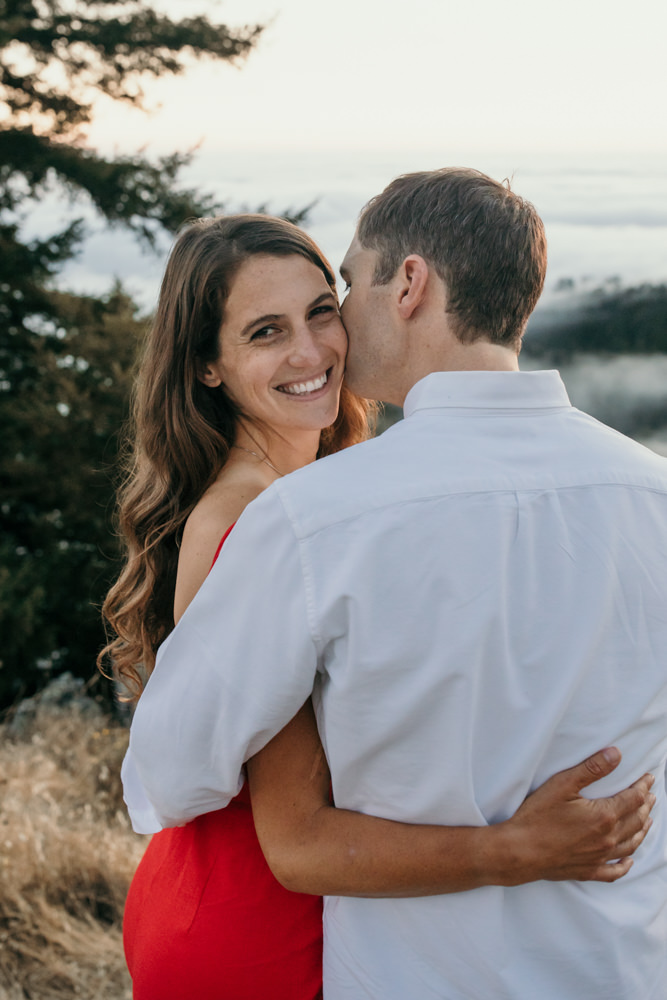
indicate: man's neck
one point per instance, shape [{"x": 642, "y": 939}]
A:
[{"x": 480, "y": 356}]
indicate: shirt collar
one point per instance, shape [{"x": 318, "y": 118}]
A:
[{"x": 487, "y": 390}]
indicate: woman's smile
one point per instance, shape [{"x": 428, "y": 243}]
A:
[{"x": 306, "y": 388}]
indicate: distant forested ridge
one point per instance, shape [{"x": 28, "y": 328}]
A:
[
  {"x": 629, "y": 321},
  {"x": 611, "y": 347}
]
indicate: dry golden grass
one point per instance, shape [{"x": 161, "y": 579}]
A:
[{"x": 67, "y": 854}]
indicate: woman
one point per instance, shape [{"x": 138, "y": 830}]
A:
[{"x": 241, "y": 383}]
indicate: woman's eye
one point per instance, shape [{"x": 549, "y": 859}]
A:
[
  {"x": 263, "y": 333},
  {"x": 324, "y": 312}
]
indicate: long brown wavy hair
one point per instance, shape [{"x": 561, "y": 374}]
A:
[{"x": 181, "y": 430}]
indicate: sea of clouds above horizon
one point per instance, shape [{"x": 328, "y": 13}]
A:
[
  {"x": 606, "y": 218},
  {"x": 606, "y": 222}
]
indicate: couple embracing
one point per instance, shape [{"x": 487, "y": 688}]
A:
[{"x": 439, "y": 624}]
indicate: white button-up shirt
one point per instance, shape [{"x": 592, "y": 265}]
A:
[{"x": 480, "y": 598}]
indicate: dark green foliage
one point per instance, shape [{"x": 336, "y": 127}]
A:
[
  {"x": 632, "y": 321},
  {"x": 126, "y": 190},
  {"x": 61, "y": 423},
  {"x": 66, "y": 361},
  {"x": 97, "y": 46}
]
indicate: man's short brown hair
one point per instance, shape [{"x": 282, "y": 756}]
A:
[{"x": 485, "y": 242}]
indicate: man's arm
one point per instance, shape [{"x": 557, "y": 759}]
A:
[{"x": 234, "y": 671}]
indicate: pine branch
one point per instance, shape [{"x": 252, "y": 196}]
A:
[{"x": 106, "y": 47}]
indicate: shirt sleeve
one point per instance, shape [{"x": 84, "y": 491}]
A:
[
  {"x": 237, "y": 667},
  {"x": 142, "y": 814}
]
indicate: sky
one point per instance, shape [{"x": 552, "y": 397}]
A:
[
  {"x": 465, "y": 75},
  {"x": 567, "y": 99}
]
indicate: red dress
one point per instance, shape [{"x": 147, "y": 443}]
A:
[{"x": 206, "y": 920}]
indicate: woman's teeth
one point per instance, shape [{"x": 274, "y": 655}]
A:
[{"x": 300, "y": 388}]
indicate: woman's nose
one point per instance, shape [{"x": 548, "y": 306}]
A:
[{"x": 306, "y": 348}]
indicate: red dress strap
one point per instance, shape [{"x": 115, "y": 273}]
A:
[{"x": 222, "y": 542}]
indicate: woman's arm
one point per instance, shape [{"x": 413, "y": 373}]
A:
[{"x": 556, "y": 834}]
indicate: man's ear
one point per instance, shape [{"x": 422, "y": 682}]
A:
[
  {"x": 414, "y": 275},
  {"x": 207, "y": 374}
]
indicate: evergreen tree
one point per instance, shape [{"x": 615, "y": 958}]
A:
[{"x": 66, "y": 360}]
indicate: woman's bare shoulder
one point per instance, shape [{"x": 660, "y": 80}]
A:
[
  {"x": 219, "y": 508},
  {"x": 221, "y": 505}
]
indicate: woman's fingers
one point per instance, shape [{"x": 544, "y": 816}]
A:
[
  {"x": 627, "y": 847},
  {"x": 611, "y": 871},
  {"x": 570, "y": 836},
  {"x": 614, "y": 865},
  {"x": 626, "y": 815},
  {"x": 597, "y": 766}
]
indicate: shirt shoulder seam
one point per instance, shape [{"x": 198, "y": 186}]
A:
[
  {"x": 307, "y": 575},
  {"x": 302, "y": 536}
]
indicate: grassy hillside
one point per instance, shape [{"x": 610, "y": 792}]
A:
[{"x": 67, "y": 858}]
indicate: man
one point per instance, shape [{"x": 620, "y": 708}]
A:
[{"x": 480, "y": 596}]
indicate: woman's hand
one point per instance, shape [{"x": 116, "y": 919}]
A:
[{"x": 558, "y": 834}]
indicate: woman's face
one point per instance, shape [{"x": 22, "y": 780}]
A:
[{"x": 282, "y": 345}]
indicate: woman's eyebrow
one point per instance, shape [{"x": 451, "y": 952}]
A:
[
  {"x": 324, "y": 297},
  {"x": 275, "y": 317},
  {"x": 260, "y": 320}
]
